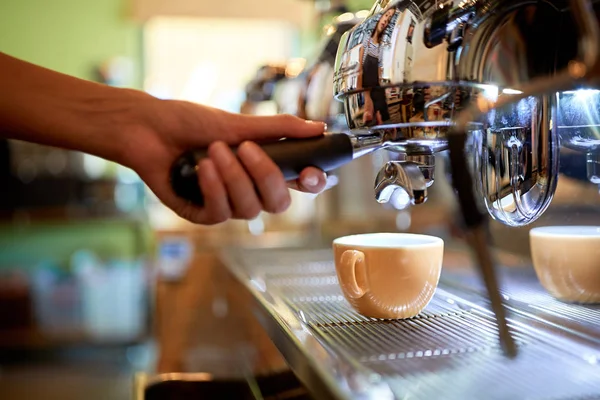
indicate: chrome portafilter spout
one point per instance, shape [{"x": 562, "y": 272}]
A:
[{"x": 404, "y": 183}]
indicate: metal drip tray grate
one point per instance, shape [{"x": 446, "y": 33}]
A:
[
  {"x": 535, "y": 374},
  {"x": 331, "y": 309},
  {"x": 421, "y": 336},
  {"x": 449, "y": 351},
  {"x": 522, "y": 290},
  {"x": 273, "y": 263},
  {"x": 544, "y": 302}
]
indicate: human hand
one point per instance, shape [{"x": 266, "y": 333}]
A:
[{"x": 171, "y": 127}]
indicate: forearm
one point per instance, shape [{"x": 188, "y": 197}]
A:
[{"x": 46, "y": 107}]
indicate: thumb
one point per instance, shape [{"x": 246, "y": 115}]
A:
[{"x": 251, "y": 127}]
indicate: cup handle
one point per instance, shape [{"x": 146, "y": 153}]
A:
[{"x": 352, "y": 272}]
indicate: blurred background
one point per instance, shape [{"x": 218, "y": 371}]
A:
[{"x": 98, "y": 280}]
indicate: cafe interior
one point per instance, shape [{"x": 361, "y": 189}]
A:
[{"x": 454, "y": 253}]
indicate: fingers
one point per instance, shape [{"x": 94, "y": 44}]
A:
[
  {"x": 216, "y": 203},
  {"x": 242, "y": 196},
  {"x": 311, "y": 180},
  {"x": 228, "y": 190},
  {"x": 241, "y": 187},
  {"x": 267, "y": 176},
  {"x": 230, "y": 185},
  {"x": 251, "y": 127}
]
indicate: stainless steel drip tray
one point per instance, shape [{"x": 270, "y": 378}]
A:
[
  {"x": 523, "y": 293},
  {"x": 450, "y": 351}
]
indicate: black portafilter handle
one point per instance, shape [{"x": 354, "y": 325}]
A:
[{"x": 327, "y": 152}]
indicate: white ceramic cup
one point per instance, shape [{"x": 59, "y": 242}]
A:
[
  {"x": 388, "y": 275},
  {"x": 566, "y": 260}
]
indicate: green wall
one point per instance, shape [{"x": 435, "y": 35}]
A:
[
  {"x": 73, "y": 37},
  {"x": 356, "y": 5},
  {"x": 25, "y": 246},
  {"x": 70, "y": 36}
]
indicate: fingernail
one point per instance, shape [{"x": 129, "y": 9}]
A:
[
  {"x": 310, "y": 181},
  {"x": 248, "y": 151},
  {"x": 319, "y": 123}
]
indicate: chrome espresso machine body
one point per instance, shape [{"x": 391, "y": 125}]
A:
[
  {"x": 430, "y": 60},
  {"x": 316, "y": 102}
]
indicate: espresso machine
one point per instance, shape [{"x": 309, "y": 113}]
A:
[
  {"x": 500, "y": 92},
  {"x": 316, "y": 102}
]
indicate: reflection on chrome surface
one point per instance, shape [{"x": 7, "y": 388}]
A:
[
  {"x": 517, "y": 168},
  {"x": 578, "y": 126},
  {"x": 400, "y": 183},
  {"x": 411, "y": 67},
  {"x": 315, "y": 102}
]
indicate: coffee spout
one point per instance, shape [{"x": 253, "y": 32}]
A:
[{"x": 402, "y": 184}]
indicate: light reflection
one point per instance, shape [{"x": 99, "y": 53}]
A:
[
  {"x": 329, "y": 30},
  {"x": 592, "y": 359},
  {"x": 579, "y": 119},
  {"x": 362, "y": 14},
  {"x": 93, "y": 166},
  {"x": 302, "y": 316},
  {"x": 295, "y": 67},
  {"x": 506, "y": 203},
  {"x": 256, "y": 226},
  {"x": 511, "y": 91},
  {"x": 345, "y": 17},
  {"x": 400, "y": 199},
  {"x": 259, "y": 284},
  {"x": 127, "y": 175},
  {"x": 332, "y": 181},
  {"x": 490, "y": 92},
  {"x": 582, "y": 93}
]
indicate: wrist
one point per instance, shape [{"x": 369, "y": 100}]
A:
[
  {"x": 46, "y": 107},
  {"x": 120, "y": 121}
]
